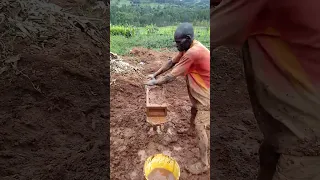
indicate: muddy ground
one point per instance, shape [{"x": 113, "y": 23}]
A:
[
  {"x": 53, "y": 85},
  {"x": 129, "y": 132},
  {"x": 235, "y": 136}
]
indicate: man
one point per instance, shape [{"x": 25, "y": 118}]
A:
[
  {"x": 193, "y": 62},
  {"x": 281, "y": 55}
]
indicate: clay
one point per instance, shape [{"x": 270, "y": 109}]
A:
[
  {"x": 157, "y": 95},
  {"x": 161, "y": 174}
]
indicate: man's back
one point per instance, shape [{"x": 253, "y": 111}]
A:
[
  {"x": 295, "y": 23},
  {"x": 195, "y": 65},
  {"x": 201, "y": 62}
]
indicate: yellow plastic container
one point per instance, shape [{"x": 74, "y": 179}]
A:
[{"x": 163, "y": 164}]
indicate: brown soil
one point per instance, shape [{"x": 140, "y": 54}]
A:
[
  {"x": 157, "y": 95},
  {"x": 53, "y": 92},
  {"x": 234, "y": 133},
  {"x": 130, "y": 142}
]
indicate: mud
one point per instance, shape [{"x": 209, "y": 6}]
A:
[
  {"x": 157, "y": 95},
  {"x": 129, "y": 132},
  {"x": 161, "y": 174},
  {"x": 53, "y": 105},
  {"x": 235, "y": 137}
]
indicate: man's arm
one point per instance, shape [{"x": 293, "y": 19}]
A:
[
  {"x": 231, "y": 21},
  {"x": 170, "y": 63},
  {"x": 181, "y": 68},
  {"x": 165, "y": 79}
]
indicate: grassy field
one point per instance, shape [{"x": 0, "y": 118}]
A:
[{"x": 124, "y": 38}]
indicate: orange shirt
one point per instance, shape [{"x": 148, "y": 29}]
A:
[{"x": 195, "y": 65}]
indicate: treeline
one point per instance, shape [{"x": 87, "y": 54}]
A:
[
  {"x": 165, "y": 15},
  {"x": 205, "y": 3}
]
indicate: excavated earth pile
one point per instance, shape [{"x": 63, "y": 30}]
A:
[{"x": 53, "y": 85}]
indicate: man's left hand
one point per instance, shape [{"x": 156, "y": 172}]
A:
[{"x": 151, "y": 82}]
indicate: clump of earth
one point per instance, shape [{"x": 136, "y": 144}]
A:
[{"x": 54, "y": 80}]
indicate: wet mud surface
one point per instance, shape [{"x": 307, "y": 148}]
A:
[
  {"x": 130, "y": 142},
  {"x": 156, "y": 95}
]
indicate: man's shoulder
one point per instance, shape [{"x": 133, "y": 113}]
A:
[{"x": 197, "y": 48}]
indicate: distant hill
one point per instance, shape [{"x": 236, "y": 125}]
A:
[
  {"x": 153, "y": 3},
  {"x": 159, "y": 12}
]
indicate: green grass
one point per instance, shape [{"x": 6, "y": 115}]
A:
[{"x": 123, "y": 39}]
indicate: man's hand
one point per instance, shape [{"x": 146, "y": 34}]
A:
[
  {"x": 162, "y": 80},
  {"x": 165, "y": 79},
  {"x": 151, "y": 76},
  {"x": 151, "y": 82}
]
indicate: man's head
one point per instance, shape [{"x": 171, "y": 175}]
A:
[{"x": 184, "y": 36}]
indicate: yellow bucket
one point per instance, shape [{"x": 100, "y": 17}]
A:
[{"x": 163, "y": 164}]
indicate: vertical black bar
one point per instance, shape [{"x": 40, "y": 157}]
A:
[{"x": 107, "y": 84}]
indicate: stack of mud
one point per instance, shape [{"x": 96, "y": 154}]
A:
[
  {"x": 161, "y": 174},
  {"x": 53, "y": 85}
]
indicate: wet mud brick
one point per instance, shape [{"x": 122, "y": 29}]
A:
[{"x": 156, "y": 107}]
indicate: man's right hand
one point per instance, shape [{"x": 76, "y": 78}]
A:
[{"x": 151, "y": 76}]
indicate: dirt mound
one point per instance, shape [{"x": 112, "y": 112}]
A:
[
  {"x": 235, "y": 135},
  {"x": 52, "y": 95},
  {"x": 144, "y": 53},
  {"x": 119, "y": 66},
  {"x": 130, "y": 140}
]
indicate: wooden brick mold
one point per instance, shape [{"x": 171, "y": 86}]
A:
[{"x": 156, "y": 106}]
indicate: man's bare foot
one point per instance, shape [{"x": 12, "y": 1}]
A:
[{"x": 197, "y": 168}]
